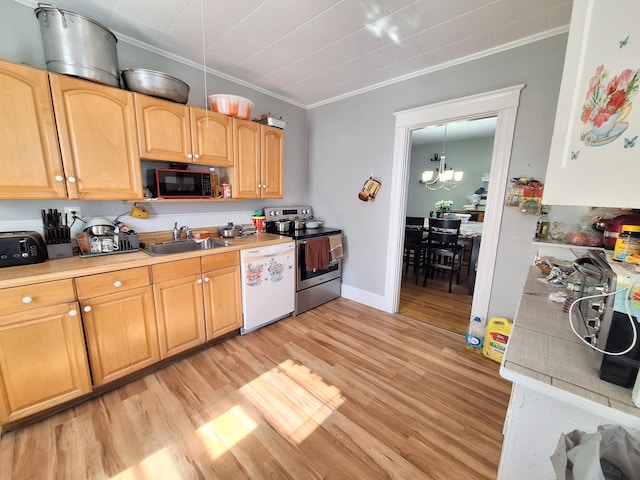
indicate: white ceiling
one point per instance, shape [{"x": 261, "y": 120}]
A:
[{"x": 309, "y": 52}]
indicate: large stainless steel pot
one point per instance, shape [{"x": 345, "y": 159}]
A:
[
  {"x": 76, "y": 45},
  {"x": 156, "y": 84}
]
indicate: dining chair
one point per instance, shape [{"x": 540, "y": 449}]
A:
[
  {"x": 414, "y": 245},
  {"x": 442, "y": 250}
]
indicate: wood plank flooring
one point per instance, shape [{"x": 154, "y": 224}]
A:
[
  {"x": 434, "y": 304},
  {"x": 343, "y": 391}
]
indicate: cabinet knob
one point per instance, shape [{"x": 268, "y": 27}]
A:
[
  {"x": 199, "y": 281},
  {"x": 189, "y": 155},
  {"x": 73, "y": 313},
  {"x": 259, "y": 186},
  {"x": 206, "y": 279},
  {"x": 196, "y": 155},
  {"x": 27, "y": 300},
  {"x": 87, "y": 308},
  {"x": 59, "y": 178},
  {"x": 117, "y": 283},
  {"x": 72, "y": 179}
]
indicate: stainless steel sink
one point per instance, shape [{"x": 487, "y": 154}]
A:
[{"x": 182, "y": 246}]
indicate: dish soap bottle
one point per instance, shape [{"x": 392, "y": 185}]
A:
[{"x": 474, "y": 338}]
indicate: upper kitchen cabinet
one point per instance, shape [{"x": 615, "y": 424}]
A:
[
  {"x": 97, "y": 135},
  {"x": 259, "y": 160},
  {"x": 595, "y": 156},
  {"x": 31, "y": 164},
  {"x": 173, "y": 132}
]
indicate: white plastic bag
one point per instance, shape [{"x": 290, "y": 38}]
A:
[{"x": 611, "y": 453}]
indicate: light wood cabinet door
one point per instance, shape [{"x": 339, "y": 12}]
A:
[
  {"x": 98, "y": 139},
  {"x": 121, "y": 333},
  {"x": 246, "y": 172},
  {"x": 30, "y": 160},
  {"x": 163, "y": 129},
  {"x": 272, "y": 162},
  {"x": 43, "y": 361},
  {"x": 211, "y": 138},
  {"x": 223, "y": 301},
  {"x": 179, "y": 304}
]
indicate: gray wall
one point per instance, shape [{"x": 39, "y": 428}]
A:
[
  {"x": 20, "y": 42},
  {"x": 353, "y": 138},
  {"x": 472, "y": 156}
]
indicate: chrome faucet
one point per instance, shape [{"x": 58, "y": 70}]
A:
[{"x": 177, "y": 232}]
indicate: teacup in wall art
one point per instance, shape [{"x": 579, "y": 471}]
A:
[{"x": 608, "y": 104}]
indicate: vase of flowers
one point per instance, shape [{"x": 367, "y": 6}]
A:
[
  {"x": 444, "y": 205},
  {"x": 608, "y": 102}
]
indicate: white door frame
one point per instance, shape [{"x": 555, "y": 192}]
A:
[{"x": 502, "y": 103}]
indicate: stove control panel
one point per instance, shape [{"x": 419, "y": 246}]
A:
[{"x": 274, "y": 214}]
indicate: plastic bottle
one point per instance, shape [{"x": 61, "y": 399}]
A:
[
  {"x": 474, "y": 338},
  {"x": 497, "y": 337},
  {"x": 542, "y": 228}
]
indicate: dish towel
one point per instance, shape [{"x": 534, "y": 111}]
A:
[
  {"x": 317, "y": 254},
  {"x": 335, "y": 248}
]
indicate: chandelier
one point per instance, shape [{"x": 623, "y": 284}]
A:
[{"x": 443, "y": 177}]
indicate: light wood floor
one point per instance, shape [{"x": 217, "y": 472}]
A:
[
  {"x": 434, "y": 304},
  {"x": 341, "y": 392}
]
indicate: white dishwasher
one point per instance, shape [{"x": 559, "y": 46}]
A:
[{"x": 268, "y": 284}]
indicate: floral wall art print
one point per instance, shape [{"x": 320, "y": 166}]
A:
[{"x": 605, "y": 122}]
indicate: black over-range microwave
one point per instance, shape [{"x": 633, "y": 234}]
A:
[{"x": 171, "y": 183}]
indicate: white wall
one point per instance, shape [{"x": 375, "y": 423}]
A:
[{"x": 353, "y": 138}]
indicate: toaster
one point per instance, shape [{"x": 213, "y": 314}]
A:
[{"x": 21, "y": 248}]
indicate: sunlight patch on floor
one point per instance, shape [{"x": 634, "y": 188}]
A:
[
  {"x": 223, "y": 432},
  {"x": 161, "y": 464},
  {"x": 293, "y": 399}
]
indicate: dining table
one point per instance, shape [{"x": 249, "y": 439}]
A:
[{"x": 470, "y": 236}]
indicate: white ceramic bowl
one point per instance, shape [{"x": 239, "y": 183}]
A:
[
  {"x": 313, "y": 223},
  {"x": 463, "y": 216},
  {"x": 231, "y": 105}
]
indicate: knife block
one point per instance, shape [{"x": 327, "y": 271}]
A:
[{"x": 59, "y": 250}]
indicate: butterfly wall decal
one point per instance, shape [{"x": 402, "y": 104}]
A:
[
  {"x": 630, "y": 142},
  {"x": 623, "y": 43},
  {"x": 574, "y": 155}
]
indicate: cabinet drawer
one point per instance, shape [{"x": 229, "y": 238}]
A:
[
  {"x": 171, "y": 270},
  {"x": 221, "y": 260},
  {"x": 112, "y": 282},
  {"x": 28, "y": 297}
]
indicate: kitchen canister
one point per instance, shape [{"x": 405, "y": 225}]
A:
[
  {"x": 496, "y": 338},
  {"x": 627, "y": 243}
]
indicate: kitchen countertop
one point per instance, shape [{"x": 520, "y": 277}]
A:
[
  {"x": 77, "y": 266},
  {"x": 544, "y": 355}
]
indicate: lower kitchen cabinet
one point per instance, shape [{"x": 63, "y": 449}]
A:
[
  {"x": 43, "y": 360},
  {"x": 119, "y": 321},
  {"x": 177, "y": 288},
  {"x": 222, "y": 293}
]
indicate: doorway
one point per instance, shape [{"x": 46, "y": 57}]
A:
[
  {"x": 501, "y": 103},
  {"x": 466, "y": 147}
]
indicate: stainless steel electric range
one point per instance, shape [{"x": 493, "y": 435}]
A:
[{"x": 313, "y": 287}]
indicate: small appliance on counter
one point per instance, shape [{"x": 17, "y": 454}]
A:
[
  {"x": 314, "y": 286},
  {"x": 604, "y": 319},
  {"x": 21, "y": 248}
]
